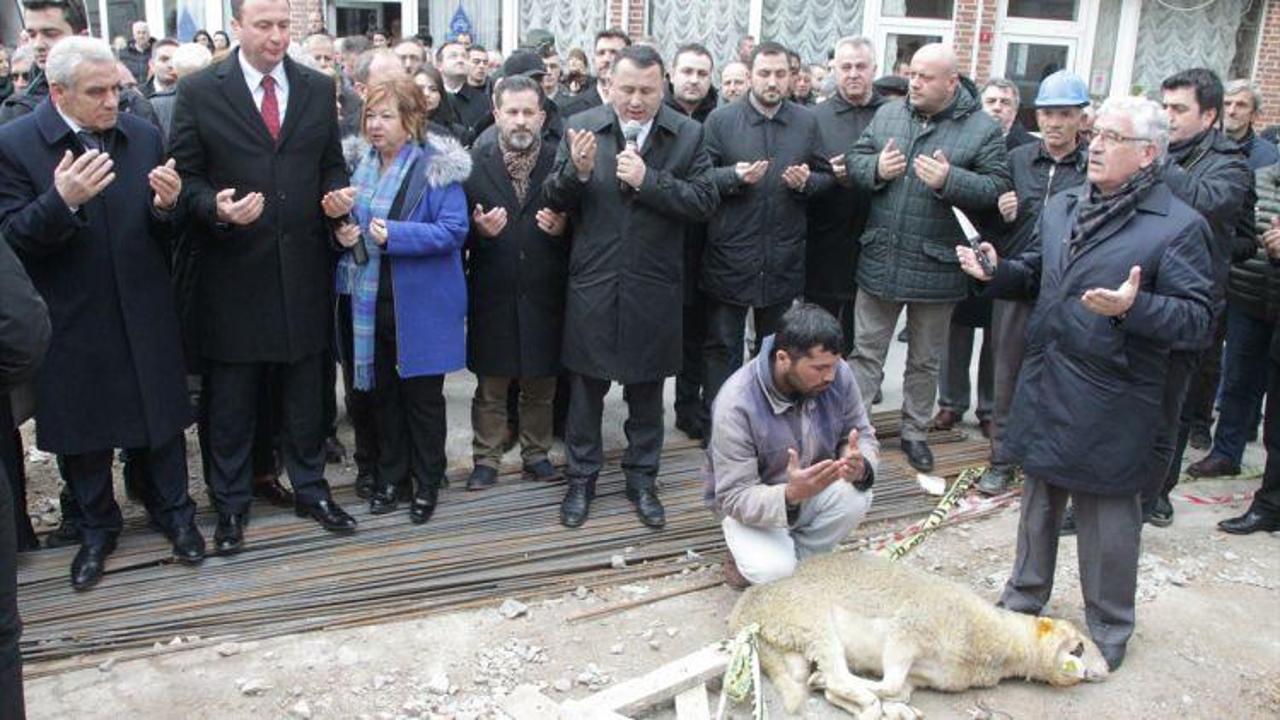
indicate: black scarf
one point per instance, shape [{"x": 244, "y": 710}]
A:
[
  {"x": 1186, "y": 153},
  {"x": 1096, "y": 209}
]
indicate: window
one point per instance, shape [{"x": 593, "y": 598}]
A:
[
  {"x": 921, "y": 9},
  {"x": 1043, "y": 9}
]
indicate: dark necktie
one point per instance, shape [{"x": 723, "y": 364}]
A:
[
  {"x": 90, "y": 141},
  {"x": 270, "y": 107}
]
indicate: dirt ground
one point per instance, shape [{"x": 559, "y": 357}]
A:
[{"x": 1207, "y": 645}]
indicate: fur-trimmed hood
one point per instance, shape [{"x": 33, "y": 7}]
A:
[{"x": 447, "y": 161}]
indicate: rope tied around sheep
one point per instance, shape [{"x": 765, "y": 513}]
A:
[{"x": 742, "y": 676}]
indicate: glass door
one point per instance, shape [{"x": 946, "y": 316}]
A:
[
  {"x": 901, "y": 27},
  {"x": 1036, "y": 38}
]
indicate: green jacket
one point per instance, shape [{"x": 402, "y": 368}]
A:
[{"x": 908, "y": 247}]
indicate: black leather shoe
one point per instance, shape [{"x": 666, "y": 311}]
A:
[
  {"x": 918, "y": 454},
  {"x": 228, "y": 537},
  {"x": 366, "y": 482},
  {"x": 328, "y": 514},
  {"x": 577, "y": 501},
  {"x": 541, "y": 471},
  {"x": 995, "y": 480},
  {"x": 690, "y": 427},
  {"x": 1250, "y": 522},
  {"x": 1161, "y": 515},
  {"x": 188, "y": 545},
  {"x": 482, "y": 477},
  {"x": 65, "y": 535},
  {"x": 90, "y": 562},
  {"x": 268, "y": 487},
  {"x": 424, "y": 503},
  {"x": 334, "y": 451},
  {"x": 385, "y": 499},
  {"x": 648, "y": 507}
]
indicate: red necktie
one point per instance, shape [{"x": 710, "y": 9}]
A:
[{"x": 270, "y": 108}]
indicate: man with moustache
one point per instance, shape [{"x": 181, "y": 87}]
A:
[
  {"x": 631, "y": 201},
  {"x": 735, "y": 82},
  {"x": 837, "y": 216},
  {"x": 256, "y": 140},
  {"x": 769, "y": 161},
  {"x": 517, "y": 262},
  {"x": 692, "y": 95},
  {"x": 1054, "y": 165}
]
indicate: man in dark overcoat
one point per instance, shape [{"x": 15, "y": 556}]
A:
[
  {"x": 631, "y": 202},
  {"x": 517, "y": 262},
  {"x": 1088, "y": 403},
  {"x": 89, "y": 203},
  {"x": 256, "y": 140}
]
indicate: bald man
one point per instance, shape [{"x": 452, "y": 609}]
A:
[{"x": 920, "y": 157}]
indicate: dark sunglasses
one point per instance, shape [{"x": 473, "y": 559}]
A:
[{"x": 23, "y": 76}]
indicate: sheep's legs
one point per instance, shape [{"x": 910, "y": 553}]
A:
[
  {"x": 843, "y": 689},
  {"x": 790, "y": 687},
  {"x": 896, "y": 661}
]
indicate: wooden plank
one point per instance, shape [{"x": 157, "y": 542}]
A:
[
  {"x": 692, "y": 704},
  {"x": 581, "y": 710},
  {"x": 632, "y": 697}
]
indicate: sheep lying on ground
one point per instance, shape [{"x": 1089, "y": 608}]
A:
[{"x": 842, "y": 610}]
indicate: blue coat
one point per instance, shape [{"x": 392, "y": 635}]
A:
[
  {"x": 425, "y": 249},
  {"x": 1087, "y": 404},
  {"x": 114, "y": 375}
]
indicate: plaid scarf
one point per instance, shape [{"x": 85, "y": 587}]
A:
[
  {"x": 1096, "y": 209},
  {"x": 520, "y": 164},
  {"x": 375, "y": 193}
]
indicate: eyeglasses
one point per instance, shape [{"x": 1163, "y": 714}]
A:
[
  {"x": 1111, "y": 138},
  {"x": 23, "y": 76}
]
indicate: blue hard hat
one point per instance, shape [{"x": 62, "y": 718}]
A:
[{"x": 1062, "y": 89}]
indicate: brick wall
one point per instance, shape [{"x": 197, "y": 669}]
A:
[
  {"x": 636, "y": 14},
  {"x": 966, "y": 42},
  {"x": 299, "y": 12},
  {"x": 1266, "y": 73}
]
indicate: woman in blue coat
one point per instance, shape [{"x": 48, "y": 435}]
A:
[{"x": 409, "y": 298}]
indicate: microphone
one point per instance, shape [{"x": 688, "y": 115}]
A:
[{"x": 630, "y": 136}]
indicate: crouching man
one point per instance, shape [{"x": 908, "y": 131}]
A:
[
  {"x": 1087, "y": 404},
  {"x": 792, "y": 454}
]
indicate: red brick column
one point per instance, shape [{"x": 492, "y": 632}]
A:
[
  {"x": 636, "y": 13},
  {"x": 1266, "y": 73},
  {"x": 966, "y": 42}
]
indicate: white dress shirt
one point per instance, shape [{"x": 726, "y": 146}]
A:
[{"x": 253, "y": 79}]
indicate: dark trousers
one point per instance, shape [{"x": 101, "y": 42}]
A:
[
  {"x": 232, "y": 395},
  {"x": 11, "y": 705},
  {"x": 1108, "y": 545},
  {"x": 726, "y": 332},
  {"x": 1267, "y": 499},
  {"x": 11, "y": 464},
  {"x": 842, "y": 310},
  {"x": 1244, "y": 382},
  {"x": 1203, "y": 390},
  {"x": 166, "y": 498},
  {"x": 954, "y": 389},
  {"x": 360, "y": 407},
  {"x": 691, "y": 401},
  {"x": 643, "y": 429},
  {"x": 1008, "y": 345},
  {"x": 410, "y": 413},
  {"x": 1164, "y": 463}
]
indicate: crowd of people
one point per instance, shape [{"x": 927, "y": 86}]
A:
[{"x": 212, "y": 232}]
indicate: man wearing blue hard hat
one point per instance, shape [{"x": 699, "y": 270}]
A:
[{"x": 1041, "y": 169}]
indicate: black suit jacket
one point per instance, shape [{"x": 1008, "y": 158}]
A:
[{"x": 262, "y": 290}]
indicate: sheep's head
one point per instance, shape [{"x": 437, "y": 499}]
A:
[{"x": 1067, "y": 656}]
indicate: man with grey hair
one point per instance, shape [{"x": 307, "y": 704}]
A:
[
  {"x": 1088, "y": 401},
  {"x": 918, "y": 159},
  {"x": 1002, "y": 100},
  {"x": 83, "y": 188},
  {"x": 137, "y": 54},
  {"x": 1241, "y": 104},
  {"x": 838, "y": 214}
]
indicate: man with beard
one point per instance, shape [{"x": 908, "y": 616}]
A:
[
  {"x": 837, "y": 216},
  {"x": 692, "y": 95},
  {"x": 769, "y": 162},
  {"x": 782, "y": 496},
  {"x": 517, "y": 261},
  {"x": 633, "y": 173}
]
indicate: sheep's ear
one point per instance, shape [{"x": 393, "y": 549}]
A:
[{"x": 1044, "y": 626}]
